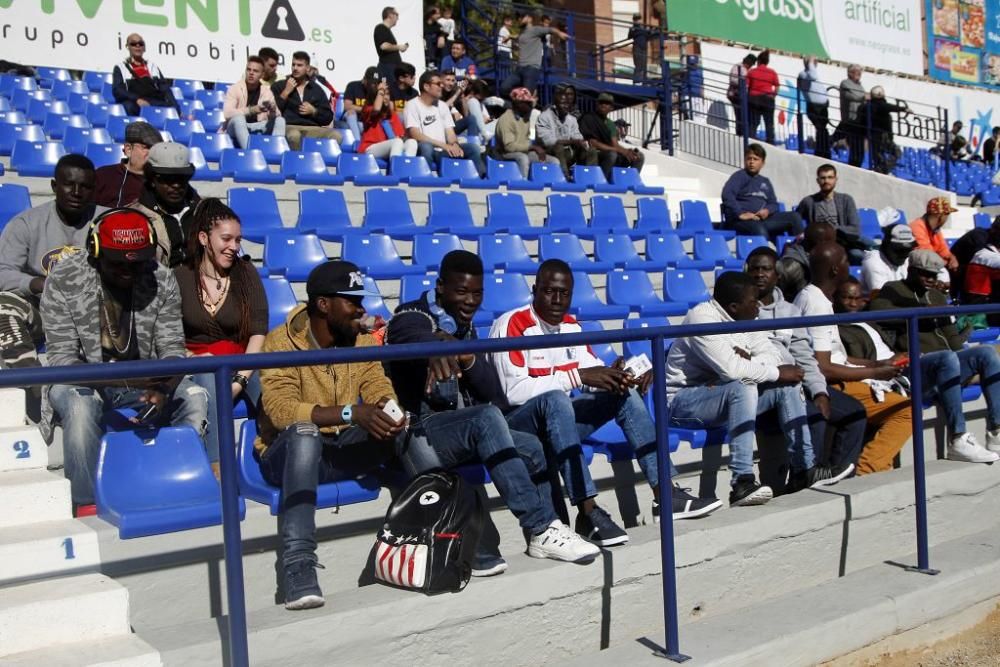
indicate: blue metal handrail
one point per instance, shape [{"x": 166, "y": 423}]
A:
[{"x": 223, "y": 367}]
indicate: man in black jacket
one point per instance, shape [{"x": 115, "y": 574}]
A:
[{"x": 304, "y": 105}]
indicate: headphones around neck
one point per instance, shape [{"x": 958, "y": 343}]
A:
[
  {"x": 445, "y": 322},
  {"x": 93, "y": 236}
]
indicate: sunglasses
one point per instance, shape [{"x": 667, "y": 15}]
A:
[{"x": 137, "y": 43}]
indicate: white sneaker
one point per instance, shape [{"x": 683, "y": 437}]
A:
[
  {"x": 993, "y": 440},
  {"x": 965, "y": 448},
  {"x": 560, "y": 543}
]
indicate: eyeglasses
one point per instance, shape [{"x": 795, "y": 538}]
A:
[
  {"x": 140, "y": 43},
  {"x": 434, "y": 83}
]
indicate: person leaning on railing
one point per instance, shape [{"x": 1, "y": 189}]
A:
[{"x": 223, "y": 305}]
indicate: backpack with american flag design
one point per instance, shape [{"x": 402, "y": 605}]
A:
[{"x": 429, "y": 537}]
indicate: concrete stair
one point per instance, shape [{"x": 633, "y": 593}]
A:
[
  {"x": 124, "y": 651},
  {"x": 33, "y": 496}
]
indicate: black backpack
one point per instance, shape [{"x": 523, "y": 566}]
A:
[{"x": 429, "y": 537}]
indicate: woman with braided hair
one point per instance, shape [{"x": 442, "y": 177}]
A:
[{"x": 223, "y": 304}]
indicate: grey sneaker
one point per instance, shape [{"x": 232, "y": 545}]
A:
[
  {"x": 488, "y": 566},
  {"x": 302, "y": 589}
]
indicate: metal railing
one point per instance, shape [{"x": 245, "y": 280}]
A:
[{"x": 224, "y": 366}]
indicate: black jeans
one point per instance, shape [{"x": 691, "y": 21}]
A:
[
  {"x": 848, "y": 419},
  {"x": 762, "y": 106},
  {"x": 819, "y": 116}
]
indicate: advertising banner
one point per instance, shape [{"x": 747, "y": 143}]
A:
[
  {"x": 963, "y": 41},
  {"x": 886, "y": 33},
  {"x": 205, "y": 40}
]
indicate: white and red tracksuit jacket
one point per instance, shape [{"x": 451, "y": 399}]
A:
[{"x": 526, "y": 374}]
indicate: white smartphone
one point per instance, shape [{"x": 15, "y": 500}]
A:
[{"x": 394, "y": 411}]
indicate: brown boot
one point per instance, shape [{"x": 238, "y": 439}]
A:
[{"x": 216, "y": 471}]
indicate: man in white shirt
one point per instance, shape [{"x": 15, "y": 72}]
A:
[
  {"x": 730, "y": 379},
  {"x": 888, "y": 413},
  {"x": 429, "y": 122},
  {"x": 890, "y": 262},
  {"x": 533, "y": 379}
]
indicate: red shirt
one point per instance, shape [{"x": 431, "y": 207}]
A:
[
  {"x": 762, "y": 80},
  {"x": 140, "y": 69}
]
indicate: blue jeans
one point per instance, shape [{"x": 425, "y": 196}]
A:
[
  {"x": 775, "y": 225},
  {"x": 250, "y": 396},
  {"x": 350, "y": 122},
  {"x": 736, "y": 406},
  {"x": 525, "y": 76},
  {"x": 240, "y": 130},
  {"x": 945, "y": 371},
  {"x": 551, "y": 418},
  {"x": 434, "y": 155},
  {"x": 515, "y": 460},
  {"x": 593, "y": 409},
  {"x": 81, "y": 412},
  {"x": 470, "y": 125},
  {"x": 299, "y": 460}
]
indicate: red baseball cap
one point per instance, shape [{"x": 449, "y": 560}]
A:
[{"x": 126, "y": 236}]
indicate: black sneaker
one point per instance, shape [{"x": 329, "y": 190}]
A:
[
  {"x": 818, "y": 476},
  {"x": 301, "y": 586},
  {"x": 686, "y": 506},
  {"x": 746, "y": 491},
  {"x": 600, "y": 528},
  {"x": 488, "y": 566}
]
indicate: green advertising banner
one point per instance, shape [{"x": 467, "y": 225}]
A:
[{"x": 878, "y": 33}]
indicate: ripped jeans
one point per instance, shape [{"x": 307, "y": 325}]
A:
[{"x": 81, "y": 411}]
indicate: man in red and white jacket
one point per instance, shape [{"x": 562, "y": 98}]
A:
[{"x": 533, "y": 377}]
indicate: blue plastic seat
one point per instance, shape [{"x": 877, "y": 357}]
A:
[
  {"x": 387, "y": 211},
  {"x": 14, "y": 199},
  {"x": 5, "y": 104},
  {"x": 564, "y": 213},
  {"x": 78, "y": 102},
  {"x": 747, "y": 244},
  {"x": 695, "y": 218},
  {"x": 189, "y": 89},
  {"x": 202, "y": 172},
  {"x": 714, "y": 248},
  {"x": 569, "y": 249},
  {"x": 212, "y": 99},
  {"x": 635, "y": 347},
  {"x": 505, "y": 212},
  {"x": 211, "y": 118},
  {"x": 607, "y": 214},
  {"x": 100, "y": 113},
  {"x": 103, "y": 154},
  {"x": 605, "y": 351},
  {"x": 49, "y": 76},
  {"x": 280, "y": 300},
  {"x": 982, "y": 220},
  {"x": 663, "y": 250},
  {"x": 552, "y": 176},
  {"x": 254, "y": 487},
  {"x": 411, "y": 287},
  {"x": 96, "y": 80},
  {"x": 258, "y": 211},
  {"x": 634, "y": 289},
  {"x": 292, "y": 255},
  {"x": 21, "y": 99},
  {"x": 150, "y": 483},
  {"x": 361, "y": 169},
  {"x": 506, "y": 172},
  {"x": 56, "y": 124},
  {"x": 630, "y": 179},
  {"x": 247, "y": 166},
  {"x": 619, "y": 251},
  {"x": 593, "y": 178},
  {"x": 501, "y": 292},
  {"x": 158, "y": 116},
  {"x": 870, "y": 226},
  {"x": 189, "y": 108},
  {"x": 375, "y": 305},
  {"x": 36, "y": 158},
  {"x": 324, "y": 211},
  {"x": 38, "y": 110},
  {"x": 76, "y": 139},
  {"x": 181, "y": 129},
  {"x": 684, "y": 286},
  {"x": 430, "y": 249},
  {"x": 328, "y": 148},
  {"x": 377, "y": 256},
  {"x": 116, "y": 126},
  {"x": 11, "y": 134},
  {"x": 507, "y": 252},
  {"x": 449, "y": 212},
  {"x": 308, "y": 169},
  {"x": 13, "y": 117},
  {"x": 587, "y": 305},
  {"x": 272, "y": 147},
  {"x": 415, "y": 172},
  {"x": 9, "y": 83},
  {"x": 463, "y": 172}
]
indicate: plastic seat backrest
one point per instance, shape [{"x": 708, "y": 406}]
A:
[
  {"x": 565, "y": 211},
  {"x": 430, "y": 249},
  {"x": 695, "y": 216},
  {"x": 608, "y": 212},
  {"x": 617, "y": 248},
  {"x": 280, "y": 300},
  {"x": 566, "y": 247},
  {"x": 449, "y": 207},
  {"x": 497, "y": 249},
  {"x": 504, "y": 291},
  {"x": 323, "y": 208},
  {"x": 684, "y": 286},
  {"x": 506, "y": 209},
  {"x": 387, "y": 207},
  {"x": 653, "y": 214}
]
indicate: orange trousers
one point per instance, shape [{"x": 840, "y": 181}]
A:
[{"x": 889, "y": 424}]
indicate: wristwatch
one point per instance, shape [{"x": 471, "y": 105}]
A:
[{"x": 347, "y": 413}]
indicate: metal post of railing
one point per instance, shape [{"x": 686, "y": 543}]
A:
[
  {"x": 665, "y": 486},
  {"x": 239, "y": 655},
  {"x": 946, "y": 152},
  {"x": 745, "y": 112},
  {"x": 571, "y": 46},
  {"x": 600, "y": 62},
  {"x": 667, "y": 114},
  {"x": 919, "y": 474},
  {"x": 798, "y": 120}
]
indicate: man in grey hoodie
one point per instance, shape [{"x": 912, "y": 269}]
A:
[{"x": 827, "y": 406}]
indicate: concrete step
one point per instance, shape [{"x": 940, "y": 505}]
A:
[
  {"x": 22, "y": 448},
  {"x": 55, "y": 612},
  {"x": 12, "y": 402},
  {"x": 826, "y": 621},
  {"x": 33, "y": 496},
  {"x": 127, "y": 651},
  {"x": 726, "y": 562},
  {"x": 47, "y": 549}
]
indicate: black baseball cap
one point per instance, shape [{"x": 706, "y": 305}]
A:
[{"x": 337, "y": 278}]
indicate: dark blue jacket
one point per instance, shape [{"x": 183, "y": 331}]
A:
[{"x": 744, "y": 193}]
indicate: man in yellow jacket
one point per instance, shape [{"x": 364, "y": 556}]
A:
[{"x": 320, "y": 424}]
